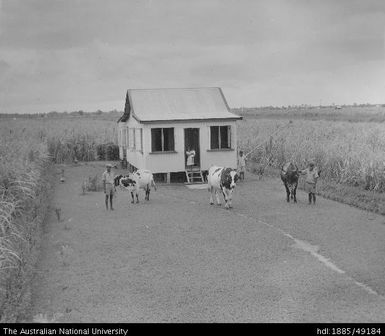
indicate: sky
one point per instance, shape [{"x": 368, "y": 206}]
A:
[{"x": 69, "y": 55}]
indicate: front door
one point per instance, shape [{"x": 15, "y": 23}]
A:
[{"x": 191, "y": 142}]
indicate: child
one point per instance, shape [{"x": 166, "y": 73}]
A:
[
  {"x": 312, "y": 175},
  {"x": 190, "y": 158},
  {"x": 241, "y": 165}
]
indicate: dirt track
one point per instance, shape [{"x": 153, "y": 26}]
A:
[{"x": 178, "y": 259}]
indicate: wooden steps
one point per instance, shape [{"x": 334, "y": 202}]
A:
[{"x": 194, "y": 176}]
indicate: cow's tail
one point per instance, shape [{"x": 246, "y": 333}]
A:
[{"x": 153, "y": 183}]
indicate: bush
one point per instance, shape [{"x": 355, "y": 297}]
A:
[
  {"x": 70, "y": 149},
  {"x": 108, "y": 152},
  {"x": 94, "y": 184}
]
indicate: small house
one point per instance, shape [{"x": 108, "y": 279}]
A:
[{"x": 158, "y": 126}]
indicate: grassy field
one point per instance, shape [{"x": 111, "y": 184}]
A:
[{"x": 348, "y": 145}]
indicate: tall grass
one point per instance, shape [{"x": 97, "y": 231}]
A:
[
  {"x": 348, "y": 153},
  {"x": 67, "y": 140},
  {"x": 22, "y": 209},
  {"x": 27, "y": 148}
]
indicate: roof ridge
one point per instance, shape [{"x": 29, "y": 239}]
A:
[{"x": 176, "y": 88}]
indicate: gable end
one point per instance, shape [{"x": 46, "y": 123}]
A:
[{"x": 127, "y": 110}]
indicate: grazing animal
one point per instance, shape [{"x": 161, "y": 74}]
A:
[
  {"x": 141, "y": 179},
  {"x": 224, "y": 180},
  {"x": 289, "y": 177}
]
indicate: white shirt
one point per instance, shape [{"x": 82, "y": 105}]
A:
[{"x": 108, "y": 177}]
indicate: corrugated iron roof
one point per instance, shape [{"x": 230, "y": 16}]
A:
[{"x": 179, "y": 104}]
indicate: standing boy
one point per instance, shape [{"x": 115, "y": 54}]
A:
[
  {"x": 241, "y": 165},
  {"x": 312, "y": 176},
  {"x": 109, "y": 185}
]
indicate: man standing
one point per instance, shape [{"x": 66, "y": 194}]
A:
[{"x": 108, "y": 185}]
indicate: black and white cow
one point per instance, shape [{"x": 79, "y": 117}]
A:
[
  {"x": 289, "y": 177},
  {"x": 125, "y": 183},
  {"x": 141, "y": 179},
  {"x": 224, "y": 180}
]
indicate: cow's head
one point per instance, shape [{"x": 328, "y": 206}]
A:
[
  {"x": 234, "y": 178},
  {"x": 292, "y": 176},
  {"x": 290, "y": 172},
  {"x": 229, "y": 178}
]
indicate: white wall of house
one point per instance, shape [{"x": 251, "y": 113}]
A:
[
  {"x": 173, "y": 162},
  {"x": 142, "y": 156},
  {"x": 159, "y": 162}
]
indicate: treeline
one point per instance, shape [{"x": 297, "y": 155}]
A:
[{"x": 54, "y": 114}]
